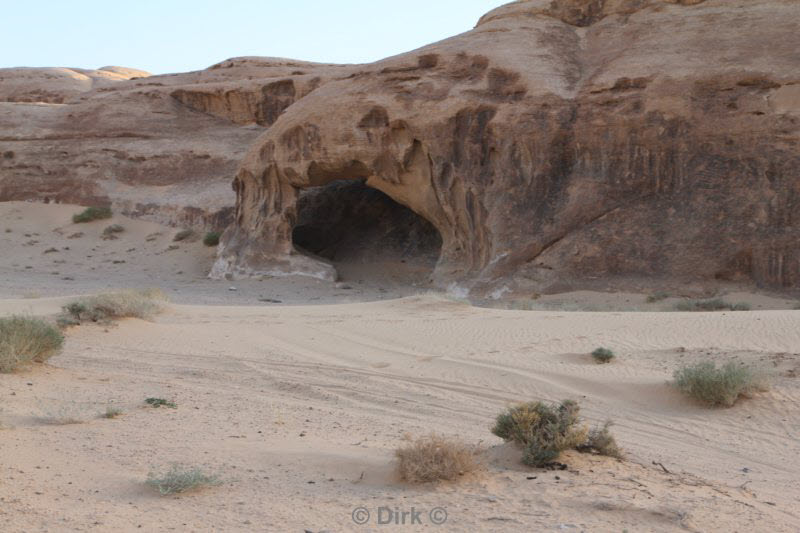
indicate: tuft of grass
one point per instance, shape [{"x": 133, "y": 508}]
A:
[
  {"x": 180, "y": 478},
  {"x": 719, "y": 386},
  {"x": 91, "y": 213},
  {"x": 436, "y": 458},
  {"x": 711, "y": 305},
  {"x": 796, "y": 307},
  {"x": 211, "y": 238},
  {"x": 601, "y": 441},
  {"x": 106, "y": 307},
  {"x": 542, "y": 430},
  {"x": 603, "y": 355},
  {"x": 159, "y": 402},
  {"x": 183, "y": 235},
  {"x": 111, "y": 231},
  {"x": 657, "y": 297},
  {"x": 111, "y": 412},
  {"x": 25, "y": 339}
]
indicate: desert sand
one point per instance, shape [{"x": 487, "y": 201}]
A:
[{"x": 299, "y": 405}]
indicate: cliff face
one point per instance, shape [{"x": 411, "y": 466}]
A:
[
  {"x": 559, "y": 142},
  {"x": 159, "y": 147}
]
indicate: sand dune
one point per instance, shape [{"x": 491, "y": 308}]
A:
[
  {"x": 275, "y": 399},
  {"x": 300, "y": 407}
]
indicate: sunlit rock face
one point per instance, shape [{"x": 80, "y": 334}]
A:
[
  {"x": 557, "y": 144},
  {"x": 159, "y": 147}
]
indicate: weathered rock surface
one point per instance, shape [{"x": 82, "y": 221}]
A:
[
  {"x": 555, "y": 144},
  {"x": 558, "y": 144},
  {"x": 161, "y": 147}
]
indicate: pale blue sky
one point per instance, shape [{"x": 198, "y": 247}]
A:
[{"x": 163, "y": 36}]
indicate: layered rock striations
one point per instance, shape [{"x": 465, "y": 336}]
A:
[
  {"x": 161, "y": 147},
  {"x": 558, "y": 143}
]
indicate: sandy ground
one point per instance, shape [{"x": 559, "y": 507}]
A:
[{"x": 299, "y": 406}]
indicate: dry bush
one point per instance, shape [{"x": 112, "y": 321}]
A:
[
  {"x": 180, "y": 478},
  {"x": 657, "y": 297},
  {"x": 601, "y": 441},
  {"x": 111, "y": 231},
  {"x": 25, "y": 339},
  {"x": 711, "y": 305},
  {"x": 720, "y": 386},
  {"x": 114, "y": 305},
  {"x": 111, "y": 412},
  {"x": 542, "y": 430},
  {"x": 436, "y": 458},
  {"x": 183, "y": 235}
]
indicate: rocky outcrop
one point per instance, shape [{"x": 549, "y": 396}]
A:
[
  {"x": 160, "y": 147},
  {"x": 557, "y": 143}
]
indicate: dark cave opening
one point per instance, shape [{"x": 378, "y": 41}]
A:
[{"x": 365, "y": 234}]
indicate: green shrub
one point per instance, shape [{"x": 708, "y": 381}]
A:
[
  {"x": 179, "y": 479},
  {"x": 711, "y": 305},
  {"x": 92, "y": 213},
  {"x": 719, "y": 386},
  {"x": 603, "y": 355},
  {"x": 159, "y": 402},
  {"x": 542, "y": 430},
  {"x": 114, "y": 305},
  {"x": 24, "y": 340},
  {"x": 183, "y": 235},
  {"x": 211, "y": 238}
]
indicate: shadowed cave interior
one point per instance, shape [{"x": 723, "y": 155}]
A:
[{"x": 365, "y": 234}]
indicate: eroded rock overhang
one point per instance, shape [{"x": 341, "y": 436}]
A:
[{"x": 553, "y": 146}]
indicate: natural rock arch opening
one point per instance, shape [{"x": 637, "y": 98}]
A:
[{"x": 365, "y": 234}]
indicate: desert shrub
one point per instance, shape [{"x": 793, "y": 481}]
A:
[
  {"x": 711, "y": 305},
  {"x": 159, "y": 402},
  {"x": 601, "y": 441},
  {"x": 109, "y": 306},
  {"x": 92, "y": 213},
  {"x": 211, "y": 238},
  {"x": 183, "y": 235},
  {"x": 111, "y": 231},
  {"x": 180, "y": 478},
  {"x": 542, "y": 430},
  {"x": 435, "y": 458},
  {"x": 603, "y": 355},
  {"x": 657, "y": 297},
  {"x": 111, "y": 412},
  {"x": 719, "y": 386},
  {"x": 24, "y": 340}
]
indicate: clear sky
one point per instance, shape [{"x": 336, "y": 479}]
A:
[{"x": 163, "y": 36}]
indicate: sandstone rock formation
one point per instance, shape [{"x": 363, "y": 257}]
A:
[
  {"x": 557, "y": 143},
  {"x": 161, "y": 147}
]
